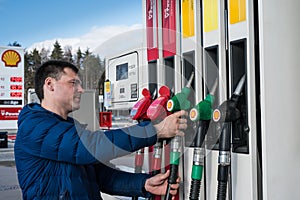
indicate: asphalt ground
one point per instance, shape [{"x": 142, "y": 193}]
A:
[{"x": 9, "y": 186}]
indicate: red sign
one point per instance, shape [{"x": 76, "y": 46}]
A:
[
  {"x": 9, "y": 113},
  {"x": 151, "y": 27},
  {"x": 169, "y": 27},
  {"x": 105, "y": 119}
]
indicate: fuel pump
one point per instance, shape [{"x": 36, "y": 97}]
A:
[
  {"x": 156, "y": 112},
  {"x": 200, "y": 114},
  {"x": 178, "y": 102},
  {"x": 224, "y": 115},
  {"x": 139, "y": 113}
]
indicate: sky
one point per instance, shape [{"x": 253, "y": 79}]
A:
[{"x": 84, "y": 23}]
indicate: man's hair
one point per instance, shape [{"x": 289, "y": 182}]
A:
[{"x": 53, "y": 69}]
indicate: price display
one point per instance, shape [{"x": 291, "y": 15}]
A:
[
  {"x": 15, "y": 79},
  {"x": 11, "y": 87},
  {"x": 16, "y": 94},
  {"x": 16, "y": 87}
]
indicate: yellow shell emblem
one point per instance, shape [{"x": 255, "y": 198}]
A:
[{"x": 11, "y": 58}]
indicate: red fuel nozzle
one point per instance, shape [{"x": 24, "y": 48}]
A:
[
  {"x": 139, "y": 110},
  {"x": 157, "y": 109}
]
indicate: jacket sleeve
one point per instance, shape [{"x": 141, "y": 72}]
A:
[
  {"x": 116, "y": 182},
  {"x": 52, "y": 138},
  {"x": 115, "y": 143}
]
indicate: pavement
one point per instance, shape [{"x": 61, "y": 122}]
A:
[{"x": 9, "y": 186}]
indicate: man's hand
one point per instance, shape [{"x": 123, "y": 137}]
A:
[
  {"x": 172, "y": 125},
  {"x": 158, "y": 184}
]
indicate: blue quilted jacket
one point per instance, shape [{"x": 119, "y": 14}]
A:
[{"x": 61, "y": 159}]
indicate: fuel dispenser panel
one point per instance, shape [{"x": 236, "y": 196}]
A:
[
  {"x": 123, "y": 74},
  {"x": 211, "y": 75},
  {"x": 240, "y": 128},
  {"x": 188, "y": 69}
]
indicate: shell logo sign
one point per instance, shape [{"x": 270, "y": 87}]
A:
[
  {"x": 11, "y": 85},
  {"x": 11, "y": 58}
]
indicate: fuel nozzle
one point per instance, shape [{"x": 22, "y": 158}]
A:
[
  {"x": 139, "y": 113},
  {"x": 203, "y": 110},
  {"x": 157, "y": 109},
  {"x": 179, "y": 101},
  {"x": 201, "y": 115},
  {"x": 227, "y": 111},
  {"x": 224, "y": 115},
  {"x": 156, "y": 112},
  {"x": 139, "y": 110}
]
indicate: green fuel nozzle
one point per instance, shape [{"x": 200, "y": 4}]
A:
[
  {"x": 180, "y": 100},
  {"x": 203, "y": 110},
  {"x": 200, "y": 114}
]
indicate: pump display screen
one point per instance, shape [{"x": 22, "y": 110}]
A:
[{"x": 122, "y": 71}]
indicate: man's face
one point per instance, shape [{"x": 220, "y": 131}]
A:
[{"x": 68, "y": 91}]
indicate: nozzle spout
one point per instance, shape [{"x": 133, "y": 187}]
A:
[
  {"x": 214, "y": 87},
  {"x": 189, "y": 83},
  {"x": 239, "y": 87}
]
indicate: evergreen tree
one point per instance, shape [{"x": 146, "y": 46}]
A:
[
  {"x": 87, "y": 53},
  {"x": 28, "y": 75},
  {"x": 68, "y": 54},
  {"x": 78, "y": 58},
  {"x": 93, "y": 70},
  {"x": 32, "y": 62},
  {"x": 36, "y": 58},
  {"x": 57, "y": 52},
  {"x": 84, "y": 68},
  {"x": 44, "y": 53},
  {"x": 15, "y": 44},
  {"x": 102, "y": 79}
]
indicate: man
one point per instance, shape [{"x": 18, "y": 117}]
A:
[{"x": 58, "y": 158}]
